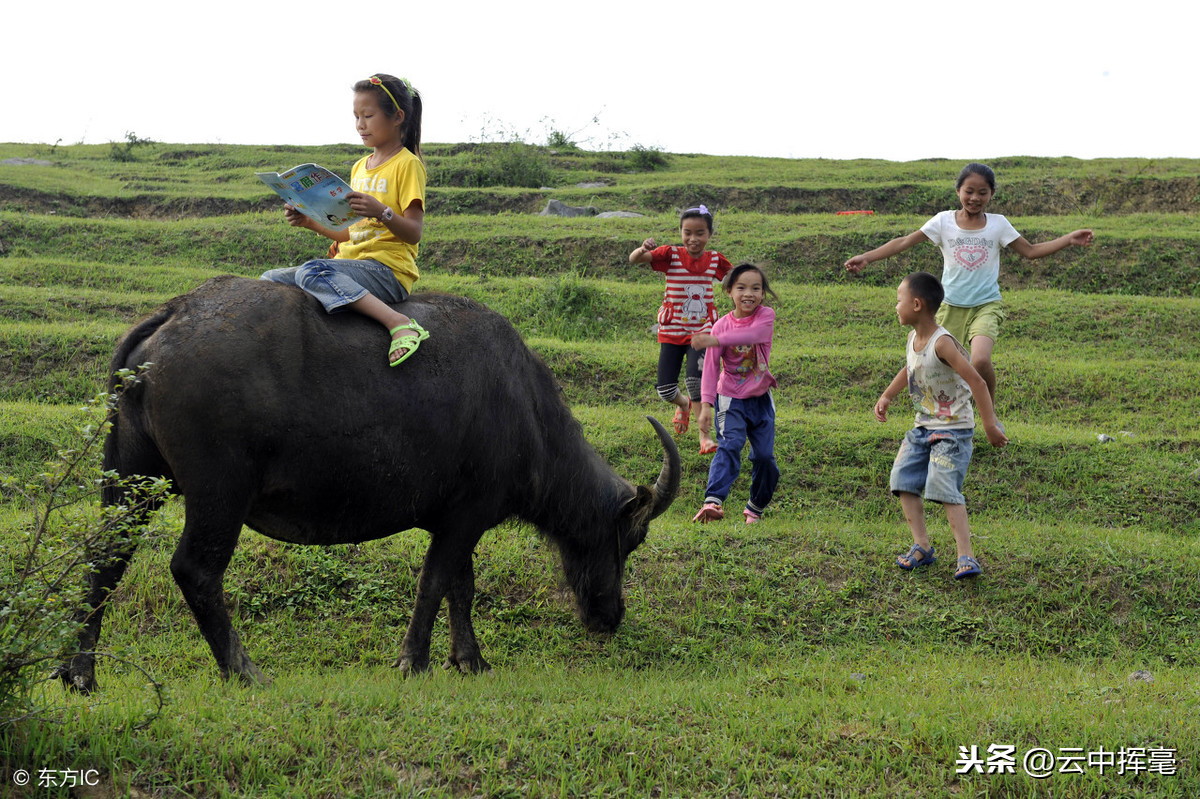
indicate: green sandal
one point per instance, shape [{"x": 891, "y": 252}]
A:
[{"x": 410, "y": 341}]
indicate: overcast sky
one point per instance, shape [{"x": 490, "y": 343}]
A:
[{"x": 860, "y": 79}]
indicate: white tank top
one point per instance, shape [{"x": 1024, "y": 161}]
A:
[{"x": 941, "y": 397}]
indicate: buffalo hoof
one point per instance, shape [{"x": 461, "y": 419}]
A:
[
  {"x": 245, "y": 672},
  {"x": 78, "y": 678},
  {"x": 475, "y": 665},
  {"x": 248, "y": 680},
  {"x": 409, "y": 665}
]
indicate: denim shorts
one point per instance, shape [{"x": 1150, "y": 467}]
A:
[
  {"x": 337, "y": 282},
  {"x": 933, "y": 464}
]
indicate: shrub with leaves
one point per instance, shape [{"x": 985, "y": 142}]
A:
[
  {"x": 647, "y": 159},
  {"x": 124, "y": 152},
  {"x": 42, "y": 584}
]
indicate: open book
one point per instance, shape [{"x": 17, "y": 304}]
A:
[{"x": 315, "y": 192}]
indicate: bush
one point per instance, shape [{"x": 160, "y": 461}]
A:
[
  {"x": 484, "y": 165},
  {"x": 124, "y": 152},
  {"x": 561, "y": 140},
  {"x": 67, "y": 537},
  {"x": 647, "y": 159}
]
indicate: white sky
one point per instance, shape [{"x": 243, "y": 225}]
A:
[{"x": 898, "y": 80}]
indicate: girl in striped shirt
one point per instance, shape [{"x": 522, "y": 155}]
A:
[{"x": 688, "y": 308}]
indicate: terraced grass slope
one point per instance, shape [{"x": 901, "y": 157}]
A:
[
  {"x": 1099, "y": 341},
  {"x": 1090, "y": 548}
]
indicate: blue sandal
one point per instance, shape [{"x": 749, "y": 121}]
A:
[
  {"x": 968, "y": 567},
  {"x": 410, "y": 340},
  {"x": 927, "y": 558}
]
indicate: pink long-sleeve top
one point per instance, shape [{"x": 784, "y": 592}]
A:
[{"x": 738, "y": 368}]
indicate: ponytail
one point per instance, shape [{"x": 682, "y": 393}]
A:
[{"x": 412, "y": 126}]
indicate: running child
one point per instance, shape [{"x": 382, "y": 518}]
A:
[
  {"x": 936, "y": 452},
  {"x": 375, "y": 262},
  {"x": 970, "y": 240},
  {"x": 687, "y": 309},
  {"x": 737, "y": 385}
]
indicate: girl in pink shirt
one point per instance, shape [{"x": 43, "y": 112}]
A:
[{"x": 736, "y": 386}]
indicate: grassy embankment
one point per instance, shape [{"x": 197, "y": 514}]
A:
[{"x": 783, "y": 659}]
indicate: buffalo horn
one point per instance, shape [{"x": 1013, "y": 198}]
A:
[{"x": 667, "y": 485}]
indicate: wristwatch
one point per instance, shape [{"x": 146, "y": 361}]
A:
[{"x": 387, "y": 214}]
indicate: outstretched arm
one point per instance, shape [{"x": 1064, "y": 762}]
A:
[
  {"x": 643, "y": 254},
  {"x": 760, "y": 331},
  {"x": 893, "y": 247},
  {"x": 1078, "y": 238},
  {"x": 951, "y": 353}
]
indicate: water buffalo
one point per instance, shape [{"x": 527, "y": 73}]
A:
[{"x": 264, "y": 411}]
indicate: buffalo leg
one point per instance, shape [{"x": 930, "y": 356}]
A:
[
  {"x": 464, "y": 649},
  {"x": 448, "y": 554},
  {"x": 210, "y": 534},
  {"x": 79, "y": 672}
]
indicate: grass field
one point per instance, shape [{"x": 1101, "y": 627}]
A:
[{"x": 787, "y": 659}]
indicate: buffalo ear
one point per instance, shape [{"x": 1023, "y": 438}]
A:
[
  {"x": 635, "y": 517},
  {"x": 639, "y": 505}
]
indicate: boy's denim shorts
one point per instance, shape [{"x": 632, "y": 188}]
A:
[{"x": 933, "y": 464}]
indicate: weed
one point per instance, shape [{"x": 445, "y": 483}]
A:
[{"x": 571, "y": 308}]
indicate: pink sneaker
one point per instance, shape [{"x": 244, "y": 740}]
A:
[
  {"x": 709, "y": 512},
  {"x": 751, "y": 516}
]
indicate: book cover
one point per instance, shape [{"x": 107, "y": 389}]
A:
[{"x": 315, "y": 192}]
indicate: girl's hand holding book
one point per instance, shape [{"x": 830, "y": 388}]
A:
[{"x": 294, "y": 217}]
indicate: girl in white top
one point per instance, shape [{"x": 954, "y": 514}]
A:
[{"x": 971, "y": 240}]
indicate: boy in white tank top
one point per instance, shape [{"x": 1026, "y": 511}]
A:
[{"x": 933, "y": 460}]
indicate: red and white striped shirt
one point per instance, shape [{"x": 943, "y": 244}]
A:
[{"x": 688, "y": 305}]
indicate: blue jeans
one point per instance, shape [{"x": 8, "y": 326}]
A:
[
  {"x": 933, "y": 463},
  {"x": 337, "y": 282},
  {"x": 739, "y": 420}
]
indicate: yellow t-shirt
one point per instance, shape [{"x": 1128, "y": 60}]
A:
[{"x": 397, "y": 182}]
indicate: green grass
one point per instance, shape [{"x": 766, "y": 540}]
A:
[
  {"x": 790, "y": 658},
  {"x": 796, "y": 725},
  {"x": 754, "y": 662}
]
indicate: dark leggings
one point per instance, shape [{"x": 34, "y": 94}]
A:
[{"x": 670, "y": 358}]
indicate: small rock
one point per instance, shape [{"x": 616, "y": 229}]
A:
[
  {"x": 1103, "y": 439},
  {"x": 591, "y": 185},
  {"x": 617, "y": 215},
  {"x": 558, "y": 208},
  {"x": 1141, "y": 675},
  {"x": 858, "y": 675}
]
